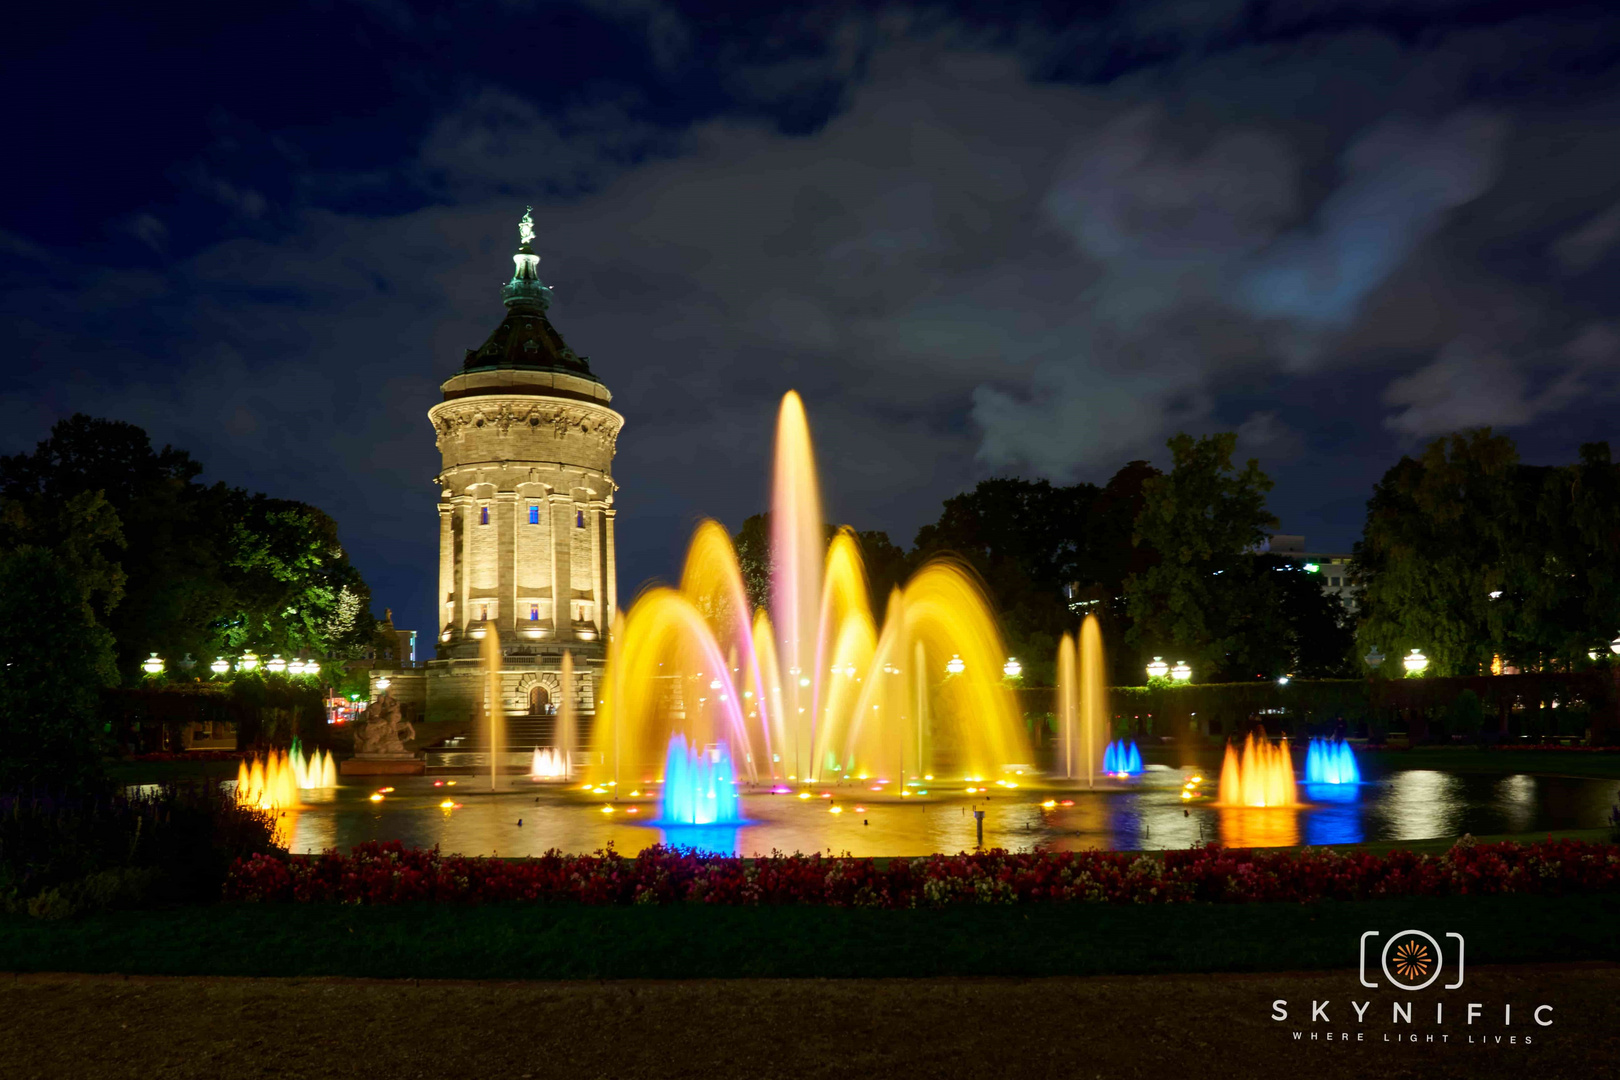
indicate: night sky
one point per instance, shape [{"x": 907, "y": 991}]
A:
[{"x": 981, "y": 240}]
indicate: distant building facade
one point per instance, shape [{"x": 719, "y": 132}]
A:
[
  {"x": 1333, "y": 568},
  {"x": 526, "y": 518}
]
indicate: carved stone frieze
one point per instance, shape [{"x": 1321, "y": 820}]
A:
[{"x": 454, "y": 419}]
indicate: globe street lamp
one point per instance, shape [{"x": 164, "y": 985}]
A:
[
  {"x": 1181, "y": 672},
  {"x": 1415, "y": 662},
  {"x": 220, "y": 666},
  {"x": 955, "y": 666},
  {"x": 1374, "y": 658},
  {"x": 276, "y": 665},
  {"x": 249, "y": 661},
  {"x": 1158, "y": 669},
  {"x": 152, "y": 665},
  {"x": 1012, "y": 668}
]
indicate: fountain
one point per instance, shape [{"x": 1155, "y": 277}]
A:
[
  {"x": 812, "y": 689},
  {"x": 270, "y": 783},
  {"x": 315, "y": 772},
  {"x": 1330, "y": 761},
  {"x": 1082, "y": 697},
  {"x": 567, "y": 728},
  {"x": 1262, "y": 776},
  {"x": 548, "y": 764},
  {"x": 1122, "y": 758},
  {"x": 490, "y": 653},
  {"x": 700, "y": 786}
]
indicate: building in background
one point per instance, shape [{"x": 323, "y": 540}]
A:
[
  {"x": 526, "y": 520},
  {"x": 1332, "y": 567}
]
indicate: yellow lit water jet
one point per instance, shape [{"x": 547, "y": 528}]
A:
[
  {"x": 1263, "y": 775},
  {"x": 816, "y": 690},
  {"x": 493, "y": 709},
  {"x": 270, "y": 783},
  {"x": 1084, "y": 725}
]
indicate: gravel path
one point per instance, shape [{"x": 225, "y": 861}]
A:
[{"x": 1165, "y": 1027}]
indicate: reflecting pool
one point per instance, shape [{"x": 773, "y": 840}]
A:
[{"x": 1145, "y": 812}]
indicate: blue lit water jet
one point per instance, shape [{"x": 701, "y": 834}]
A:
[
  {"x": 1122, "y": 758},
  {"x": 1329, "y": 761},
  {"x": 700, "y": 786}
]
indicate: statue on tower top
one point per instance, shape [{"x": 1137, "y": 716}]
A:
[{"x": 526, "y": 227}]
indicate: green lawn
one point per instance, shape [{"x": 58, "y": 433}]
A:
[{"x": 573, "y": 942}]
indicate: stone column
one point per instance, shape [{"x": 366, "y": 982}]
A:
[
  {"x": 506, "y": 562},
  {"x": 593, "y": 523},
  {"x": 447, "y": 570},
  {"x": 562, "y": 566},
  {"x": 611, "y": 569},
  {"x": 469, "y": 526}
]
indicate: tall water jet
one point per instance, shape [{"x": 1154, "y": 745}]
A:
[
  {"x": 817, "y": 692},
  {"x": 1330, "y": 761},
  {"x": 700, "y": 786},
  {"x": 491, "y": 654},
  {"x": 1083, "y": 715},
  {"x": 797, "y": 548},
  {"x": 566, "y": 737},
  {"x": 1263, "y": 775},
  {"x": 1068, "y": 705}
]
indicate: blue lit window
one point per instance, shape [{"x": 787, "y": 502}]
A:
[
  {"x": 534, "y": 514},
  {"x": 483, "y": 515},
  {"x": 534, "y": 612},
  {"x": 579, "y": 519}
]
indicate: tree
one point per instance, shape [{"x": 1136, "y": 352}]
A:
[
  {"x": 753, "y": 546},
  {"x": 1025, "y": 539},
  {"x": 202, "y": 570},
  {"x": 54, "y": 661},
  {"x": 1469, "y": 556},
  {"x": 1204, "y": 520},
  {"x": 1439, "y": 542}
]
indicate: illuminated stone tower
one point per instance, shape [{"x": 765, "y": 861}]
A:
[{"x": 526, "y": 531}]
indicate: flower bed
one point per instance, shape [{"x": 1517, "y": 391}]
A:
[{"x": 390, "y": 873}]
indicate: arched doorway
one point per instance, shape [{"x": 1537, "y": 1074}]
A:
[{"x": 539, "y": 701}]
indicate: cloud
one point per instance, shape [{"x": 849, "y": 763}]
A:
[
  {"x": 1466, "y": 386},
  {"x": 1400, "y": 181},
  {"x": 1583, "y": 248},
  {"x": 149, "y": 230}
]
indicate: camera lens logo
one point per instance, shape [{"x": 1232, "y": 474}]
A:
[{"x": 1410, "y": 959}]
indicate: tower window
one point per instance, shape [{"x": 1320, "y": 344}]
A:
[
  {"x": 534, "y": 612},
  {"x": 534, "y": 514},
  {"x": 483, "y": 515},
  {"x": 579, "y": 519},
  {"x": 483, "y": 613}
]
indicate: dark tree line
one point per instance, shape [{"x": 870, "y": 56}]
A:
[
  {"x": 1474, "y": 557},
  {"x": 111, "y": 550}
]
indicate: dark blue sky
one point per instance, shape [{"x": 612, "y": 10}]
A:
[{"x": 980, "y": 239}]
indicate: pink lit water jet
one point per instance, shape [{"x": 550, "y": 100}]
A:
[{"x": 817, "y": 690}]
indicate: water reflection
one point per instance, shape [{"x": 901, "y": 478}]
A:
[
  {"x": 1516, "y": 798},
  {"x": 709, "y": 839},
  {"x": 1250, "y": 827},
  {"x": 1149, "y": 814}
]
